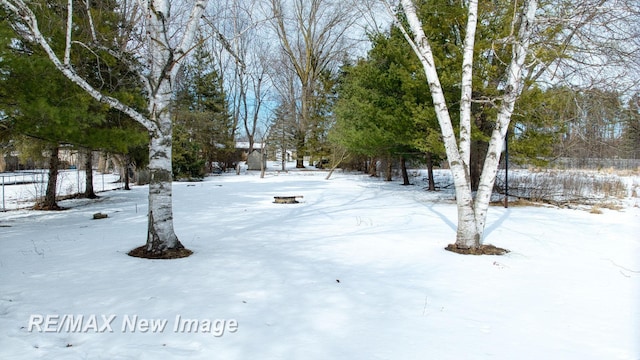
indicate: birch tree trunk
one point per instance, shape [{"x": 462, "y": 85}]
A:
[
  {"x": 468, "y": 235},
  {"x": 513, "y": 89},
  {"x": 472, "y": 212},
  {"x": 160, "y": 233},
  {"x": 163, "y": 61},
  {"x": 467, "y": 84}
]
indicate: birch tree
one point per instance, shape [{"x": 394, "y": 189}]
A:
[
  {"x": 472, "y": 210},
  {"x": 589, "y": 43},
  {"x": 166, "y": 44}
]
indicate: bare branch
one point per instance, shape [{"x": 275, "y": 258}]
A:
[{"x": 187, "y": 40}]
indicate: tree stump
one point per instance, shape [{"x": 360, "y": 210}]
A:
[
  {"x": 286, "y": 199},
  {"x": 97, "y": 216}
]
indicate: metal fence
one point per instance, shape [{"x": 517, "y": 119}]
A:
[
  {"x": 596, "y": 164},
  {"x": 23, "y": 189}
]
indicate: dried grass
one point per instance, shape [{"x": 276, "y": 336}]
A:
[
  {"x": 595, "y": 210},
  {"x": 560, "y": 187}
]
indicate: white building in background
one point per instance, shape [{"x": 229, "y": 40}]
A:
[{"x": 242, "y": 148}]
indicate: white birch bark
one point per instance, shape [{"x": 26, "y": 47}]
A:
[
  {"x": 67, "y": 46},
  {"x": 513, "y": 89},
  {"x": 471, "y": 212},
  {"x": 164, "y": 63},
  {"x": 160, "y": 234},
  {"x": 467, "y": 82},
  {"x": 20, "y": 8},
  {"x": 467, "y": 234}
]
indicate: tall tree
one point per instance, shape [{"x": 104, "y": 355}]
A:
[
  {"x": 249, "y": 54},
  {"x": 281, "y": 135},
  {"x": 631, "y": 129},
  {"x": 499, "y": 38},
  {"x": 82, "y": 123},
  {"x": 593, "y": 130},
  {"x": 48, "y": 108},
  {"x": 472, "y": 211},
  {"x": 165, "y": 52},
  {"x": 202, "y": 122},
  {"x": 313, "y": 39},
  {"x": 383, "y": 108}
]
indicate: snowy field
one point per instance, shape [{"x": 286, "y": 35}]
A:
[{"x": 356, "y": 270}]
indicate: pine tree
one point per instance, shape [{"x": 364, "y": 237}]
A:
[
  {"x": 282, "y": 134},
  {"x": 46, "y": 108},
  {"x": 50, "y": 108},
  {"x": 202, "y": 123},
  {"x": 383, "y": 106},
  {"x": 631, "y": 129}
]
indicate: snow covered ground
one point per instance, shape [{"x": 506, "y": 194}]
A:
[
  {"x": 356, "y": 270},
  {"x": 19, "y": 190}
]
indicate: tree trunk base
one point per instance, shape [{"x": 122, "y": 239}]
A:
[
  {"x": 141, "y": 252},
  {"x": 481, "y": 250},
  {"x": 44, "y": 207}
]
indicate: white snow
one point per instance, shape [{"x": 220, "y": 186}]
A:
[
  {"x": 356, "y": 270},
  {"x": 20, "y": 189}
]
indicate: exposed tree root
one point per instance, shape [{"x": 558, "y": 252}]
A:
[
  {"x": 141, "y": 252},
  {"x": 44, "y": 207},
  {"x": 481, "y": 250}
]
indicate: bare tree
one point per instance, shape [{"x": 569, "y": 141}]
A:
[
  {"x": 166, "y": 43},
  {"x": 313, "y": 36},
  {"x": 599, "y": 46},
  {"x": 244, "y": 57},
  {"x": 249, "y": 76}
]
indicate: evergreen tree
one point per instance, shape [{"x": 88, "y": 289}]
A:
[
  {"x": 631, "y": 129},
  {"x": 383, "y": 107},
  {"x": 282, "y": 134},
  {"x": 46, "y": 108},
  {"x": 202, "y": 123},
  {"x": 50, "y": 108},
  {"x": 541, "y": 115}
]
